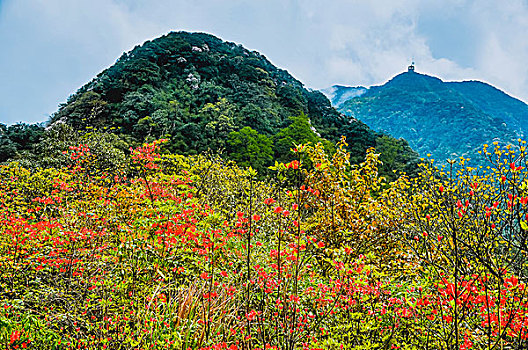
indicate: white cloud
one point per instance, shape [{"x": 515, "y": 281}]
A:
[
  {"x": 51, "y": 47},
  {"x": 503, "y": 54}
]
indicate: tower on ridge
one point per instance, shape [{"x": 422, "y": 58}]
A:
[{"x": 410, "y": 69}]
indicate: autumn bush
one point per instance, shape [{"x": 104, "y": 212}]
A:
[{"x": 173, "y": 252}]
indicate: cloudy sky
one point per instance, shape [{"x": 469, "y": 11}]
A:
[{"x": 49, "y": 48}]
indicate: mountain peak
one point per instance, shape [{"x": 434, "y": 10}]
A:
[{"x": 414, "y": 80}]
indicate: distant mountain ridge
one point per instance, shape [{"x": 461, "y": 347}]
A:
[
  {"x": 495, "y": 102},
  {"x": 444, "y": 119}
]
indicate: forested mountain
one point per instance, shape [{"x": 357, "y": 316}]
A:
[
  {"x": 203, "y": 93},
  {"x": 495, "y": 102},
  {"x": 444, "y": 119}
]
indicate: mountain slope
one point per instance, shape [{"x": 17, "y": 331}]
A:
[
  {"x": 446, "y": 120},
  {"x": 495, "y": 102},
  {"x": 201, "y": 92}
]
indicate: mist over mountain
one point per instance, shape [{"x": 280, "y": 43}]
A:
[{"x": 339, "y": 94}]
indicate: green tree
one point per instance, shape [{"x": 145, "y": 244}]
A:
[
  {"x": 298, "y": 132},
  {"x": 18, "y": 139},
  {"x": 219, "y": 122},
  {"x": 396, "y": 157},
  {"x": 88, "y": 109},
  {"x": 109, "y": 149},
  {"x": 249, "y": 148}
]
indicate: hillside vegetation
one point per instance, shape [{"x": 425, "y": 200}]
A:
[{"x": 193, "y": 252}]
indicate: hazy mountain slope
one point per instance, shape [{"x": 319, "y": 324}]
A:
[
  {"x": 338, "y": 94},
  {"x": 495, "y": 102}
]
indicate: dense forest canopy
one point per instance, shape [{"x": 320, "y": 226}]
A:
[{"x": 18, "y": 139}]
